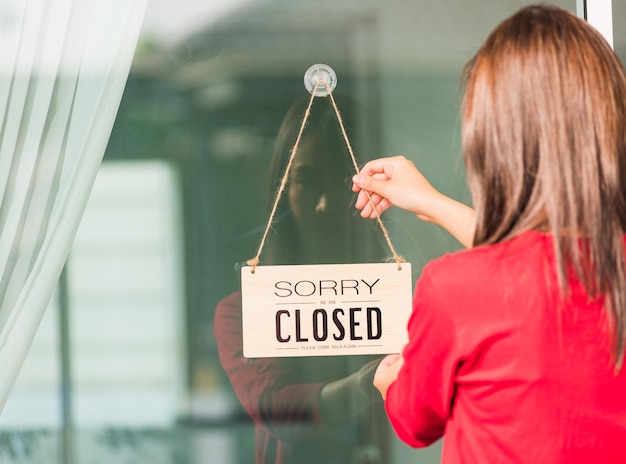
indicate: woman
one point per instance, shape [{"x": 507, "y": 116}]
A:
[
  {"x": 516, "y": 346},
  {"x": 316, "y": 409}
]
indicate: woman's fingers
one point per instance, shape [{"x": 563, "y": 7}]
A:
[
  {"x": 371, "y": 191},
  {"x": 370, "y": 204}
]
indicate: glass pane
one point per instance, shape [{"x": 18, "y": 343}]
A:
[
  {"x": 223, "y": 100},
  {"x": 31, "y": 421},
  {"x": 209, "y": 117},
  {"x": 126, "y": 292}
]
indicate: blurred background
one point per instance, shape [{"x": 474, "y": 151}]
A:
[{"x": 124, "y": 367}]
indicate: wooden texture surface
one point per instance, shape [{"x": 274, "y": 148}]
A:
[{"x": 325, "y": 310}]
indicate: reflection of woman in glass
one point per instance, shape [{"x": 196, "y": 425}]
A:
[{"x": 317, "y": 409}]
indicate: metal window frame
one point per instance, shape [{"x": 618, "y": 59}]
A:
[{"x": 599, "y": 13}]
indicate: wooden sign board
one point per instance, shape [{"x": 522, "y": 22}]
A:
[{"x": 325, "y": 310}]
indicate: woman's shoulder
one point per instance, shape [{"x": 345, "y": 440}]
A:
[
  {"x": 488, "y": 264},
  {"x": 479, "y": 287},
  {"x": 228, "y": 311},
  {"x": 511, "y": 249},
  {"x": 232, "y": 300}
]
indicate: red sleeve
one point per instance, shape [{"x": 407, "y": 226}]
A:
[
  {"x": 286, "y": 409},
  {"x": 419, "y": 402}
]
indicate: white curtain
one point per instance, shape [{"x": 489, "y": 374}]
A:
[{"x": 63, "y": 67}]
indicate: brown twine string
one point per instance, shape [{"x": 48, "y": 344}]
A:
[
  {"x": 397, "y": 258},
  {"x": 255, "y": 261}
]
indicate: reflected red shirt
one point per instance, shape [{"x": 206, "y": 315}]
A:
[
  {"x": 282, "y": 396},
  {"x": 283, "y": 410},
  {"x": 503, "y": 368}
]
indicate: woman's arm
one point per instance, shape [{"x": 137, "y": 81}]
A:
[{"x": 397, "y": 182}]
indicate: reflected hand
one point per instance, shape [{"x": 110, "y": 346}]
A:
[
  {"x": 343, "y": 398},
  {"x": 387, "y": 372}
]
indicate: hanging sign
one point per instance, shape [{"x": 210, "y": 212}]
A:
[{"x": 325, "y": 310}]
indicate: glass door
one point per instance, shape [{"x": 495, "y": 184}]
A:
[{"x": 209, "y": 117}]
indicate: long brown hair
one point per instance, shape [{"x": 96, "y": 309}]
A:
[{"x": 544, "y": 140}]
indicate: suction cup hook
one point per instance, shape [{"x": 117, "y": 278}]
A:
[{"x": 322, "y": 74}]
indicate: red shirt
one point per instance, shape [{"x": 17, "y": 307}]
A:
[{"x": 506, "y": 369}]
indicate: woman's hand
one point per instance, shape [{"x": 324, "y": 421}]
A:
[
  {"x": 396, "y": 181},
  {"x": 387, "y": 372}
]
